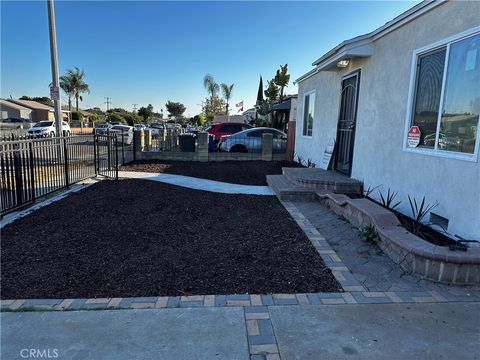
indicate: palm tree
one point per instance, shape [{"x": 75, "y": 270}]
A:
[
  {"x": 227, "y": 93},
  {"x": 76, "y": 78},
  {"x": 66, "y": 84},
  {"x": 282, "y": 78},
  {"x": 211, "y": 86}
]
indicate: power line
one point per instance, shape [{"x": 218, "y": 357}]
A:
[{"x": 108, "y": 102}]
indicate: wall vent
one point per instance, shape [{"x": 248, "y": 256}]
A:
[{"x": 438, "y": 220}]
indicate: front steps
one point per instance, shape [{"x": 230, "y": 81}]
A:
[{"x": 303, "y": 184}]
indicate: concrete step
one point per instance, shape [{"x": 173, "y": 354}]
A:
[
  {"x": 286, "y": 190},
  {"x": 319, "y": 179}
]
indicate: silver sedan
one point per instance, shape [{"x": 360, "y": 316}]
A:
[{"x": 251, "y": 140}]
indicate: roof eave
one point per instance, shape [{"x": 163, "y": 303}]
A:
[{"x": 391, "y": 25}]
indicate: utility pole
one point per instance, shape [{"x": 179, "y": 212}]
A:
[
  {"x": 54, "y": 61},
  {"x": 108, "y": 102},
  {"x": 134, "y": 107}
]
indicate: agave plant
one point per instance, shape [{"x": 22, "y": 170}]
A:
[
  {"x": 419, "y": 212},
  {"x": 388, "y": 200}
]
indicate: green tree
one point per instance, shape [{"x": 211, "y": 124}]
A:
[
  {"x": 198, "y": 120},
  {"x": 146, "y": 112},
  {"x": 281, "y": 79},
  {"x": 175, "y": 109},
  {"x": 95, "y": 117},
  {"x": 211, "y": 86},
  {"x": 41, "y": 99},
  {"x": 76, "y": 79},
  {"x": 215, "y": 107},
  {"x": 67, "y": 85},
  {"x": 272, "y": 91},
  {"x": 115, "y": 117},
  {"x": 227, "y": 94},
  {"x": 77, "y": 116},
  {"x": 132, "y": 118}
]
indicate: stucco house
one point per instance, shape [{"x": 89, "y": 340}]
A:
[
  {"x": 39, "y": 111},
  {"x": 400, "y": 108},
  {"x": 12, "y": 110}
]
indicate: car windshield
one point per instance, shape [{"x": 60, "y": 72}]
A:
[{"x": 44, "y": 124}]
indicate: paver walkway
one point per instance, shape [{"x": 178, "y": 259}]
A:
[
  {"x": 374, "y": 270},
  {"x": 199, "y": 184}
]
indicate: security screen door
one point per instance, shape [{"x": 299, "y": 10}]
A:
[{"x": 346, "y": 123}]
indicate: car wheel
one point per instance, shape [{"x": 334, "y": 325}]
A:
[
  {"x": 239, "y": 149},
  {"x": 52, "y": 134}
]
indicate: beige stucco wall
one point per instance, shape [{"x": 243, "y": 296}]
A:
[{"x": 379, "y": 158}]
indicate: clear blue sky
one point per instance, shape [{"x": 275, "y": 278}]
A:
[{"x": 151, "y": 52}]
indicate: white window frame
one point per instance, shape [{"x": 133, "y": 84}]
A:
[
  {"x": 411, "y": 96},
  {"x": 303, "y": 114}
]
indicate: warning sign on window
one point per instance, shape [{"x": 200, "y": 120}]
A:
[{"x": 413, "y": 136}]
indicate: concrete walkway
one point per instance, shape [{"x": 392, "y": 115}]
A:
[
  {"x": 198, "y": 184},
  {"x": 375, "y": 331}
]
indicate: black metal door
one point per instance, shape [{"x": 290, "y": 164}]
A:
[{"x": 346, "y": 123}]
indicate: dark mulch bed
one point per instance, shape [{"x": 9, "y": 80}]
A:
[
  {"x": 143, "y": 238},
  {"x": 236, "y": 172}
]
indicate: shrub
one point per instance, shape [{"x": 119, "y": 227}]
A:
[
  {"x": 95, "y": 117},
  {"x": 76, "y": 115},
  {"x": 369, "y": 233}
]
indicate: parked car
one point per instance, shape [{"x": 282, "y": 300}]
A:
[
  {"x": 140, "y": 127},
  {"x": 47, "y": 128},
  {"x": 219, "y": 130},
  {"x": 16, "y": 123},
  {"x": 156, "y": 128},
  {"x": 101, "y": 129},
  {"x": 123, "y": 132},
  {"x": 251, "y": 140}
]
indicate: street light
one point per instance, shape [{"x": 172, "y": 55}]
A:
[{"x": 55, "y": 88}]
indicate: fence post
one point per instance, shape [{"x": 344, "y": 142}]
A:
[
  {"x": 290, "y": 140},
  {"x": 32, "y": 173},
  {"x": 65, "y": 157},
  {"x": 148, "y": 140},
  {"x": 267, "y": 147},
  {"x": 17, "y": 168},
  {"x": 139, "y": 139},
  {"x": 123, "y": 148},
  {"x": 202, "y": 146},
  {"x": 95, "y": 150},
  {"x": 116, "y": 158}
]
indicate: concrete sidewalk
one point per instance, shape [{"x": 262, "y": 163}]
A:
[
  {"x": 359, "y": 331},
  {"x": 198, "y": 183},
  {"x": 127, "y": 334}
]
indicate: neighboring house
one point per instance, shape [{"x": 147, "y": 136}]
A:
[
  {"x": 420, "y": 69},
  {"x": 288, "y": 106},
  {"x": 39, "y": 111},
  {"x": 249, "y": 115},
  {"x": 11, "y": 110}
]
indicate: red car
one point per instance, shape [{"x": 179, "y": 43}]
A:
[{"x": 218, "y": 130}]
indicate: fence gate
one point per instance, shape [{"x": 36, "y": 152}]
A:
[{"x": 106, "y": 155}]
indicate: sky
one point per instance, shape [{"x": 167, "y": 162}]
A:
[{"x": 154, "y": 51}]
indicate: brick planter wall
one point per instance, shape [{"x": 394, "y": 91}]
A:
[{"x": 413, "y": 254}]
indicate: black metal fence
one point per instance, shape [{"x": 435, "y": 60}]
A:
[{"x": 32, "y": 168}]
